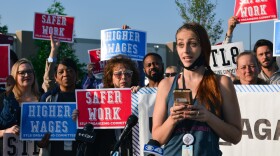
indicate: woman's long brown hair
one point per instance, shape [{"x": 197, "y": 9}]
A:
[{"x": 208, "y": 92}]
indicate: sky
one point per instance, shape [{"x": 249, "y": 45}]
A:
[{"x": 159, "y": 18}]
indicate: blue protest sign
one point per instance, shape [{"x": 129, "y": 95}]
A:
[
  {"x": 129, "y": 42},
  {"x": 38, "y": 118},
  {"x": 276, "y": 39}
]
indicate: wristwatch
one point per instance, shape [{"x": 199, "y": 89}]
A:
[{"x": 50, "y": 59}]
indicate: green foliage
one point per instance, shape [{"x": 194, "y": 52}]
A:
[
  {"x": 44, "y": 48},
  {"x": 4, "y": 28},
  {"x": 202, "y": 12}
]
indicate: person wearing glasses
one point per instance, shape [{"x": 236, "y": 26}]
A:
[
  {"x": 21, "y": 87},
  {"x": 119, "y": 72},
  {"x": 170, "y": 71}
]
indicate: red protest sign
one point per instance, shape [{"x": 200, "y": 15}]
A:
[
  {"x": 60, "y": 26},
  {"x": 103, "y": 108},
  {"x": 94, "y": 56},
  {"x": 4, "y": 62},
  {"x": 249, "y": 11}
]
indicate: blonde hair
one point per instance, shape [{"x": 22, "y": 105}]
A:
[
  {"x": 172, "y": 67},
  {"x": 34, "y": 87}
]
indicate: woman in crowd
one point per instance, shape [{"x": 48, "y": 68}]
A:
[
  {"x": 119, "y": 72},
  {"x": 65, "y": 75},
  {"x": 21, "y": 87},
  {"x": 214, "y": 112},
  {"x": 247, "y": 69}
]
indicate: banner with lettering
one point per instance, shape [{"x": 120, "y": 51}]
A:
[
  {"x": 103, "y": 108},
  {"x": 15, "y": 147},
  {"x": 276, "y": 38},
  {"x": 62, "y": 27},
  {"x": 259, "y": 107},
  {"x": 38, "y": 118},
  {"x": 94, "y": 57},
  {"x": 4, "y": 62},
  {"x": 129, "y": 42},
  {"x": 249, "y": 11},
  {"x": 260, "y": 121},
  {"x": 223, "y": 57}
]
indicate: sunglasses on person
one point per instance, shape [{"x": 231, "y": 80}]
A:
[
  {"x": 169, "y": 74},
  {"x": 127, "y": 73}
]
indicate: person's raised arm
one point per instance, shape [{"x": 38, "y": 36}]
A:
[
  {"x": 232, "y": 21},
  {"x": 49, "y": 81}
]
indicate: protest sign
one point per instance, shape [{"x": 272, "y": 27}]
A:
[
  {"x": 248, "y": 11},
  {"x": 276, "y": 38},
  {"x": 223, "y": 57},
  {"x": 94, "y": 57},
  {"x": 15, "y": 147},
  {"x": 61, "y": 27},
  {"x": 38, "y": 118},
  {"x": 4, "y": 62},
  {"x": 129, "y": 42},
  {"x": 104, "y": 108}
]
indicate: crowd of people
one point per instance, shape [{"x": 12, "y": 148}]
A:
[{"x": 213, "y": 114}]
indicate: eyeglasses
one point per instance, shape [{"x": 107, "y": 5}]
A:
[
  {"x": 127, "y": 73},
  {"x": 24, "y": 72},
  {"x": 169, "y": 74}
]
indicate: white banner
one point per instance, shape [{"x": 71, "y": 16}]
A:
[
  {"x": 261, "y": 125},
  {"x": 260, "y": 120},
  {"x": 13, "y": 146}
]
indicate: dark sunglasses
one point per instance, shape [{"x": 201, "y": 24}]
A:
[{"x": 169, "y": 74}]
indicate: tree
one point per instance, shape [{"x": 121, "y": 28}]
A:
[
  {"x": 4, "y": 28},
  {"x": 44, "y": 47},
  {"x": 202, "y": 12}
]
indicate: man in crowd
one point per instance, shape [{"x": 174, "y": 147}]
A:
[
  {"x": 153, "y": 69},
  {"x": 269, "y": 70}
]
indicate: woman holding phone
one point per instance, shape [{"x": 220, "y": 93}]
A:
[{"x": 214, "y": 113}]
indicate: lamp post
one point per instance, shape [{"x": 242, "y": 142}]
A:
[{"x": 156, "y": 47}]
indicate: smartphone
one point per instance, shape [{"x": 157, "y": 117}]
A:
[{"x": 182, "y": 96}]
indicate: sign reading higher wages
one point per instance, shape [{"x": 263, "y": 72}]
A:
[
  {"x": 42, "y": 117},
  {"x": 129, "y": 42},
  {"x": 61, "y": 27},
  {"x": 103, "y": 108}
]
